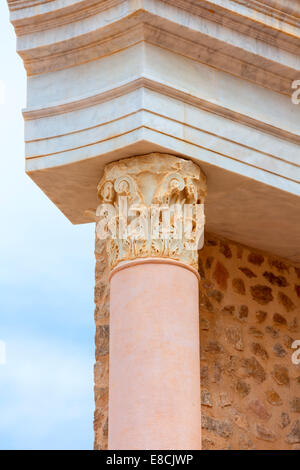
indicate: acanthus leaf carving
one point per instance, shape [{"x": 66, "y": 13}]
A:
[{"x": 151, "y": 200}]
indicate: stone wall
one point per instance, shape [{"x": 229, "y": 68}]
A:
[
  {"x": 249, "y": 317},
  {"x": 102, "y": 346}
]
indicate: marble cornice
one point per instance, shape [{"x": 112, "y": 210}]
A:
[
  {"x": 206, "y": 80},
  {"x": 85, "y": 101},
  {"x": 90, "y": 141},
  {"x": 239, "y": 14},
  {"x": 59, "y": 13},
  {"x": 139, "y": 21},
  {"x": 21, "y": 4},
  {"x": 267, "y": 11},
  {"x": 236, "y": 14},
  {"x": 145, "y": 32},
  {"x": 288, "y": 7},
  {"x": 287, "y": 10}
]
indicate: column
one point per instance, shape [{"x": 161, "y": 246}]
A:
[{"x": 151, "y": 215}]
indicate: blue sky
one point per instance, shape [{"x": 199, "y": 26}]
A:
[{"x": 46, "y": 293}]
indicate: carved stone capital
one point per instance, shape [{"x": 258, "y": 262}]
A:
[{"x": 152, "y": 206}]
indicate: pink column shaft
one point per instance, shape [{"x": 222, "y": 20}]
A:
[{"x": 154, "y": 371}]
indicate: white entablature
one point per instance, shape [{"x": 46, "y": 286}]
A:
[{"x": 206, "y": 80}]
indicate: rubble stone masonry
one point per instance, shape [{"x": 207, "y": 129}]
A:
[{"x": 249, "y": 319}]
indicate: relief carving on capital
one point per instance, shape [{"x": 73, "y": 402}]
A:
[{"x": 152, "y": 206}]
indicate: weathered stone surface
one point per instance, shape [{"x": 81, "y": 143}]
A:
[
  {"x": 102, "y": 312},
  {"x": 254, "y": 369},
  {"x": 256, "y": 259},
  {"x": 214, "y": 347},
  {"x": 279, "y": 265},
  {"x": 243, "y": 313},
  {"x": 204, "y": 324},
  {"x": 100, "y": 427},
  {"x": 261, "y": 316},
  {"x": 101, "y": 397},
  {"x": 279, "y": 319},
  {"x": 219, "y": 428},
  {"x": 287, "y": 341},
  {"x": 297, "y": 289},
  {"x": 264, "y": 433},
  {"x": 294, "y": 436},
  {"x": 294, "y": 325},
  {"x": 297, "y": 271},
  {"x": 260, "y": 351},
  {"x": 275, "y": 280},
  {"x": 210, "y": 242},
  {"x": 228, "y": 309},
  {"x": 200, "y": 268},
  {"x": 244, "y": 329},
  {"x": 221, "y": 275},
  {"x": 240, "y": 419},
  {"x": 217, "y": 372},
  {"x": 286, "y": 302},
  {"x": 231, "y": 365},
  {"x": 261, "y": 294},
  {"x": 225, "y": 400},
  {"x": 212, "y": 292},
  {"x": 98, "y": 416},
  {"x": 271, "y": 331},
  {"x": 248, "y": 272},
  {"x": 206, "y": 399},
  {"x": 281, "y": 375},
  {"x": 228, "y": 388},
  {"x": 279, "y": 350},
  {"x": 101, "y": 367},
  {"x": 234, "y": 336},
  {"x": 205, "y": 303},
  {"x": 100, "y": 290},
  {"x": 259, "y": 410},
  {"x": 255, "y": 332},
  {"x": 102, "y": 341},
  {"x": 217, "y": 295},
  {"x": 209, "y": 262},
  {"x": 273, "y": 398},
  {"x": 242, "y": 388},
  {"x": 295, "y": 405},
  {"x": 204, "y": 376},
  {"x": 208, "y": 444},
  {"x": 100, "y": 269},
  {"x": 239, "y": 286},
  {"x": 99, "y": 443},
  {"x": 245, "y": 443},
  {"x": 101, "y": 371},
  {"x": 225, "y": 250},
  {"x": 105, "y": 428},
  {"x": 100, "y": 249},
  {"x": 284, "y": 420}
]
